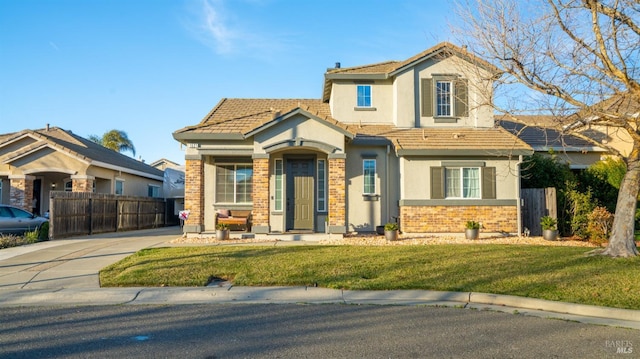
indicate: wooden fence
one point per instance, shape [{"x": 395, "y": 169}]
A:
[
  {"x": 536, "y": 203},
  {"x": 77, "y": 213}
]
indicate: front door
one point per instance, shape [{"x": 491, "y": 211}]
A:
[{"x": 300, "y": 198}]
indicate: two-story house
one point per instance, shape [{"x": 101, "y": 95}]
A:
[{"x": 410, "y": 140}]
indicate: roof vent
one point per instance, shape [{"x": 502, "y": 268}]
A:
[
  {"x": 337, "y": 65},
  {"x": 47, "y": 127}
]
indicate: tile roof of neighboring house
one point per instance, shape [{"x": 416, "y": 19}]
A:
[
  {"x": 539, "y": 132},
  {"x": 242, "y": 116},
  {"x": 79, "y": 147}
]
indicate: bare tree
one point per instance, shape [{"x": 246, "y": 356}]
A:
[{"x": 582, "y": 59}]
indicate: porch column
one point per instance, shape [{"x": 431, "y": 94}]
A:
[
  {"x": 80, "y": 183},
  {"x": 21, "y": 191},
  {"x": 260, "y": 213},
  {"x": 194, "y": 194},
  {"x": 337, "y": 194}
]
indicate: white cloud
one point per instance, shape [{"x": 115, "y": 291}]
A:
[{"x": 215, "y": 26}]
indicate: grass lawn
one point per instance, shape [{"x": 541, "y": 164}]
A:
[{"x": 555, "y": 273}]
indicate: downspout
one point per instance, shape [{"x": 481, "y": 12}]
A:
[
  {"x": 519, "y": 205},
  {"x": 386, "y": 185}
]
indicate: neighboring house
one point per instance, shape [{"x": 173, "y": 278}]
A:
[
  {"x": 411, "y": 140},
  {"x": 173, "y": 185},
  {"x": 35, "y": 162},
  {"x": 164, "y": 163},
  {"x": 538, "y": 131}
]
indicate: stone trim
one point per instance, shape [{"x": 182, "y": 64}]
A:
[
  {"x": 194, "y": 195},
  {"x": 260, "y": 213},
  {"x": 337, "y": 195}
]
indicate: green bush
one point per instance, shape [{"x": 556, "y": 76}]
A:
[
  {"x": 43, "y": 234},
  {"x": 579, "y": 205},
  {"x": 10, "y": 240},
  {"x": 31, "y": 236}
]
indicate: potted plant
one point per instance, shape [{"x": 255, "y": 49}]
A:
[
  {"x": 549, "y": 229},
  {"x": 391, "y": 231},
  {"x": 472, "y": 230},
  {"x": 222, "y": 231}
]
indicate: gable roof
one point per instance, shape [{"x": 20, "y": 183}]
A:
[
  {"x": 388, "y": 69},
  {"x": 236, "y": 118},
  {"x": 78, "y": 147}
]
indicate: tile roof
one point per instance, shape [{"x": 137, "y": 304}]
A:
[
  {"x": 235, "y": 115},
  {"x": 539, "y": 136},
  {"x": 79, "y": 147},
  {"x": 242, "y": 116}
]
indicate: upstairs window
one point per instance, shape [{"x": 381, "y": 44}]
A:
[
  {"x": 444, "y": 98},
  {"x": 364, "y": 95}
]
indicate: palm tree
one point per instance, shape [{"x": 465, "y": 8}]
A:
[{"x": 114, "y": 140}]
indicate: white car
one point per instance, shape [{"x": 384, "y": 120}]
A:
[{"x": 14, "y": 220}]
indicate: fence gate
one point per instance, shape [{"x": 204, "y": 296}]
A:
[{"x": 536, "y": 203}]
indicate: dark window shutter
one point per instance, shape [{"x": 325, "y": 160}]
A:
[
  {"x": 437, "y": 182},
  {"x": 462, "y": 100},
  {"x": 488, "y": 182},
  {"x": 427, "y": 97}
]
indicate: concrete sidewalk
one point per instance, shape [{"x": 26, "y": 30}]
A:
[{"x": 65, "y": 272}]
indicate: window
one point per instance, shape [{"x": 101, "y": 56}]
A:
[
  {"x": 462, "y": 182},
  {"x": 369, "y": 174},
  {"x": 322, "y": 186},
  {"x": 68, "y": 186},
  {"x": 119, "y": 187},
  {"x": 443, "y": 98},
  {"x": 279, "y": 184},
  {"x": 469, "y": 181},
  {"x": 234, "y": 183},
  {"x": 153, "y": 191},
  {"x": 364, "y": 96}
]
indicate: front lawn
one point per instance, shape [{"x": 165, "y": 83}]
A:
[{"x": 555, "y": 273}]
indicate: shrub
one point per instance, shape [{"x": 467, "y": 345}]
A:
[
  {"x": 10, "y": 240},
  {"x": 391, "y": 226},
  {"x": 548, "y": 222},
  {"x": 600, "y": 223},
  {"x": 579, "y": 206},
  {"x": 31, "y": 236},
  {"x": 43, "y": 233},
  {"x": 472, "y": 225}
]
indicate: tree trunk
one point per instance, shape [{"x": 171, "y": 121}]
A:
[{"x": 621, "y": 242}]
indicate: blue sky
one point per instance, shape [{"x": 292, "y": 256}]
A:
[{"x": 150, "y": 67}]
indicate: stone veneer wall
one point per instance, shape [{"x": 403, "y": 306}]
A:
[
  {"x": 21, "y": 192},
  {"x": 81, "y": 185},
  {"x": 194, "y": 194},
  {"x": 337, "y": 193},
  {"x": 260, "y": 212},
  {"x": 451, "y": 219}
]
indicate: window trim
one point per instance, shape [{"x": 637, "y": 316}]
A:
[
  {"x": 279, "y": 187},
  {"x": 459, "y": 97},
  {"x": 364, "y": 177},
  {"x": 364, "y": 97},
  {"x": 321, "y": 200},
  {"x": 437, "y": 97},
  {"x": 461, "y": 179},
  {"x": 115, "y": 188},
  {"x": 235, "y": 182},
  {"x": 150, "y": 186}
]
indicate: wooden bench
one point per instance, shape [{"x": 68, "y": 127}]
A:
[{"x": 238, "y": 219}]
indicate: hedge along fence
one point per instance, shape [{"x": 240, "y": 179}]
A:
[{"x": 80, "y": 213}]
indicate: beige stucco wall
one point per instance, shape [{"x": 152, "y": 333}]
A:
[
  {"x": 416, "y": 184},
  {"x": 47, "y": 160},
  {"x": 397, "y": 100},
  {"x": 344, "y": 101},
  {"x": 298, "y": 126},
  {"x": 365, "y": 212}
]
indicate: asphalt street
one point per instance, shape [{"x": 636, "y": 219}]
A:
[{"x": 51, "y": 305}]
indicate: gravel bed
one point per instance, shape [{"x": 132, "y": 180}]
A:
[{"x": 374, "y": 240}]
